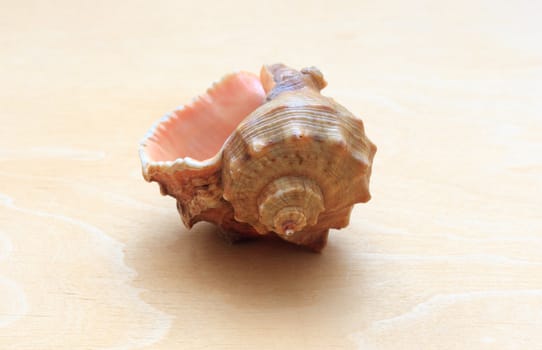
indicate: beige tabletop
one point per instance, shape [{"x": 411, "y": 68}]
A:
[{"x": 447, "y": 254}]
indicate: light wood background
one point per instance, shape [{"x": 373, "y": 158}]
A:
[{"x": 447, "y": 255}]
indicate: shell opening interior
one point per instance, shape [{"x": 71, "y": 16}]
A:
[{"x": 199, "y": 130}]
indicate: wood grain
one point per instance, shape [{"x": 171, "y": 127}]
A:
[{"x": 447, "y": 255}]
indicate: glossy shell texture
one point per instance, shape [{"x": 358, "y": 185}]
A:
[{"x": 267, "y": 155}]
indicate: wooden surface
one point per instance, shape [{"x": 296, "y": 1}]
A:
[{"x": 447, "y": 255}]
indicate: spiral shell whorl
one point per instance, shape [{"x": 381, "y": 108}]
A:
[
  {"x": 289, "y": 204},
  {"x": 297, "y": 156}
]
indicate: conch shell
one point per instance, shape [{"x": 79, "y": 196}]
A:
[{"x": 263, "y": 155}]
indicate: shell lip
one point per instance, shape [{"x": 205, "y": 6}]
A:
[
  {"x": 150, "y": 166},
  {"x": 244, "y": 85}
]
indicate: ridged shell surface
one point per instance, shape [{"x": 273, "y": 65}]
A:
[{"x": 298, "y": 134}]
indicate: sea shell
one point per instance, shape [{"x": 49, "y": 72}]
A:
[{"x": 267, "y": 155}]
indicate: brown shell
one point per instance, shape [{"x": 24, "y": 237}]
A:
[{"x": 291, "y": 161}]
